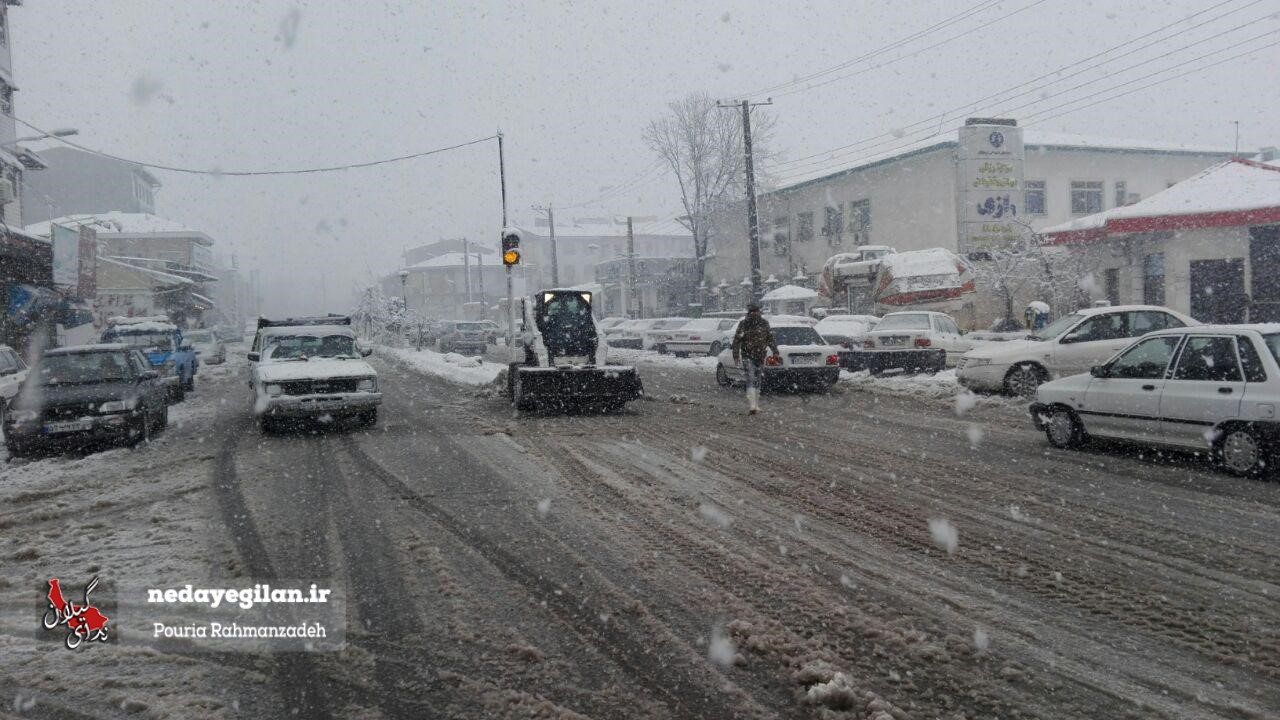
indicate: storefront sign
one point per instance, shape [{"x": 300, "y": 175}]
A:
[{"x": 989, "y": 185}]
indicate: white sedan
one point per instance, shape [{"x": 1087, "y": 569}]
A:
[
  {"x": 704, "y": 336},
  {"x": 1071, "y": 344},
  {"x": 913, "y": 341},
  {"x": 1208, "y": 388},
  {"x": 804, "y": 360}
]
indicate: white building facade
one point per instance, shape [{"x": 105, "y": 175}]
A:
[{"x": 919, "y": 198}]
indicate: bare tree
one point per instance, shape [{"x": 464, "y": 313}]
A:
[{"x": 702, "y": 145}]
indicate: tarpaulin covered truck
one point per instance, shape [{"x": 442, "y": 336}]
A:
[{"x": 876, "y": 280}]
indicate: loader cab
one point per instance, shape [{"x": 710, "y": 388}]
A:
[{"x": 565, "y": 322}]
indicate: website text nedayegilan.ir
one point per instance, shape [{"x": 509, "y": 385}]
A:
[{"x": 245, "y": 598}]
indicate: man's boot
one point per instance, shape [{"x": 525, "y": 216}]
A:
[{"x": 753, "y": 401}]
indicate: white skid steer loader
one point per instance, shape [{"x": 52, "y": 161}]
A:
[{"x": 559, "y": 358}]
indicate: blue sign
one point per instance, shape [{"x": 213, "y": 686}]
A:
[{"x": 997, "y": 138}]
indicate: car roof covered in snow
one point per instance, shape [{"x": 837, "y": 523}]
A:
[
  {"x": 1261, "y": 328},
  {"x": 138, "y": 328},
  {"x": 94, "y": 348},
  {"x": 1117, "y": 308}
]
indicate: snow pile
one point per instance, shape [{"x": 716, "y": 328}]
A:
[
  {"x": 632, "y": 357},
  {"x": 939, "y": 385},
  {"x": 789, "y": 292},
  {"x": 453, "y": 367}
]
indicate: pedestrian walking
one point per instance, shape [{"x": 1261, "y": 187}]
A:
[{"x": 752, "y": 342}]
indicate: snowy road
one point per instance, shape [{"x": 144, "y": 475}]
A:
[{"x": 679, "y": 560}]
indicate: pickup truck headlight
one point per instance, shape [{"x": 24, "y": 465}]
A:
[
  {"x": 272, "y": 389},
  {"x": 118, "y": 406},
  {"x": 368, "y": 385},
  {"x": 23, "y": 416}
]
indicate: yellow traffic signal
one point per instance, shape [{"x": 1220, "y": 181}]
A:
[
  {"x": 511, "y": 257},
  {"x": 511, "y": 249}
]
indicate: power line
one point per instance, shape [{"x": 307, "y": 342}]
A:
[
  {"x": 878, "y": 51},
  {"x": 939, "y": 118},
  {"x": 1035, "y": 119},
  {"x": 637, "y": 180},
  {"x": 258, "y": 173},
  {"x": 914, "y": 53}
]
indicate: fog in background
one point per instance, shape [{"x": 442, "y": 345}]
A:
[{"x": 262, "y": 85}]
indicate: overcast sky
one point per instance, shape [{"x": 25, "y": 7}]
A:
[{"x": 228, "y": 85}]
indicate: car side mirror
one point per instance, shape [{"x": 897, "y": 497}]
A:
[
  {"x": 1100, "y": 371},
  {"x": 1070, "y": 338},
  {"x": 253, "y": 356},
  {"x": 366, "y": 351}
]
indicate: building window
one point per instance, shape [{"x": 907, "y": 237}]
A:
[
  {"x": 4, "y": 24},
  {"x": 804, "y": 226},
  {"x": 782, "y": 236},
  {"x": 1122, "y": 193},
  {"x": 1153, "y": 279},
  {"x": 14, "y": 175},
  {"x": 833, "y": 224},
  {"x": 860, "y": 221},
  {"x": 1112, "y": 280},
  {"x": 1086, "y": 197},
  {"x": 1035, "y": 198}
]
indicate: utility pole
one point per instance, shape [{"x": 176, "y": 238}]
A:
[
  {"x": 753, "y": 222},
  {"x": 631, "y": 272},
  {"x": 555, "y": 262},
  {"x": 466, "y": 269},
  {"x": 1237, "y": 124},
  {"x": 511, "y": 301}
]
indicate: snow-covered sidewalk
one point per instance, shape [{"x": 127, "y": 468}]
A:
[{"x": 461, "y": 369}]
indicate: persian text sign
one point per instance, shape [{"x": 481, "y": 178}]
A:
[{"x": 989, "y": 185}]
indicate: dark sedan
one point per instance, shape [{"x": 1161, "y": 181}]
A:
[{"x": 86, "y": 395}]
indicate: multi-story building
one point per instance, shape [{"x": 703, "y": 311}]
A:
[
  {"x": 82, "y": 183},
  {"x": 578, "y": 253},
  {"x": 990, "y": 182},
  {"x": 439, "y": 287}
]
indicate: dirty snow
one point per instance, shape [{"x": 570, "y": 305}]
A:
[{"x": 461, "y": 369}]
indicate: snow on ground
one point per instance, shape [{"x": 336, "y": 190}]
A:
[
  {"x": 461, "y": 369},
  {"x": 935, "y": 385}
]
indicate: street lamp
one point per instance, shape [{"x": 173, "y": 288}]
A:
[
  {"x": 404, "y": 297},
  {"x": 61, "y": 132}
]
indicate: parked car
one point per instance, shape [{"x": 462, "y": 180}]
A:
[
  {"x": 914, "y": 341},
  {"x": 13, "y": 371},
  {"x": 655, "y": 337},
  {"x": 704, "y": 336},
  {"x": 847, "y": 331},
  {"x": 464, "y": 336},
  {"x": 84, "y": 395},
  {"x": 804, "y": 360},
  {"x": 616, "y": 329},
  {"x": 208, "y": 346},
  {"x": 630, "y": 334},
  {"x": 1071, "y": 344},
  {"x": 312, "y": 371},
  {"x": 492, "y": 330},
  {"x": 164, "y": 346},
  {"x": 1209, "y": 388}
]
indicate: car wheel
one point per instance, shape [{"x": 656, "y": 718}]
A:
[
  {"x": 1022, "y": 380},
  {"x": 163, "y": 421},
  {"x": 190, "y": 385},
  {"x": 722, "y": 377},
  {"x": 715, "y": 349},
  {"x": 681, "y": 355},
  {"x": 178, "y": 393},
  {"x": 1241, "y": 452},
  {"x": 1062, "y": 428},
  {"x": 143, "y": 431}
]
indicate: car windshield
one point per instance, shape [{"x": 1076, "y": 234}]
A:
[
  {"x": 1057, "y": 327},
  {"x": 299, "y": 347},
  {"x": 162, "y": 342},
  {"x": 199, "y": 338},
  {"x": 470, "y": 327},
  {"x": 904, "y": 321},
  {"x": 83, "y": 368},
  {"x": 796, "y": 336}
]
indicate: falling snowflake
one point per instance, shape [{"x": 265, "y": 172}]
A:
[
  {"x": 544, "y": 506},
  {"x": 976, "y": 434},
  {"x": 965, "y": 402},
  {"x": 980, "y": 639},
  {"x": 714, "y": 515},
  {"x": 944, "y": 535},
  {"x": 721, "y": 650},
  {"x": 698, "y": 453}
]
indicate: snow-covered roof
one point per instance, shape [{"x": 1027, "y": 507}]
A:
[
  {"x": 142, "y": 328},
  {"x": 116, "y": 222},
  {"x": 789, "y": 292},
  {"x": 920, "y": 263},
  {"x": 92, "y": 348},
  {"x": 1231, "y": 193},
  {"x": 453, "y": 259}
]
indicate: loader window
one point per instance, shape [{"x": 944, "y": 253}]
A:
[{"x": 565, "y": 322}]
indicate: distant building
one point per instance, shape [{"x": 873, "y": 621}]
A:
[
  {"x": 438, "y": 287},
  {"x": 578, "y": 253},
  {"x": 81, "y": 183},
  {"x": 663, "y": 286}
]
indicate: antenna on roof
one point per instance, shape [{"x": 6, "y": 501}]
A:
[{"x": 1237, "y": 124}]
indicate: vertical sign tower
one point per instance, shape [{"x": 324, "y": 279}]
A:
[{"x": 989, "y": 167}]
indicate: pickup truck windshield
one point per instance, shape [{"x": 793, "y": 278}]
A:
[
  {"x": 160, "y": 341},
  {"x": 298, "y": 347}
]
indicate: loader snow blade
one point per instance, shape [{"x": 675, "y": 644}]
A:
[{"x": 608, "y": 386}]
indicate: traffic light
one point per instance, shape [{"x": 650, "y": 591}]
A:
[{"x": 511, "y": 249}]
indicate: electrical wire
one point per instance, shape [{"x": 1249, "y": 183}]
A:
[
  {"x": 939, "y": 118},
  {"x": 256, "y": 173},
  {"x": 878, "y": 51}
]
